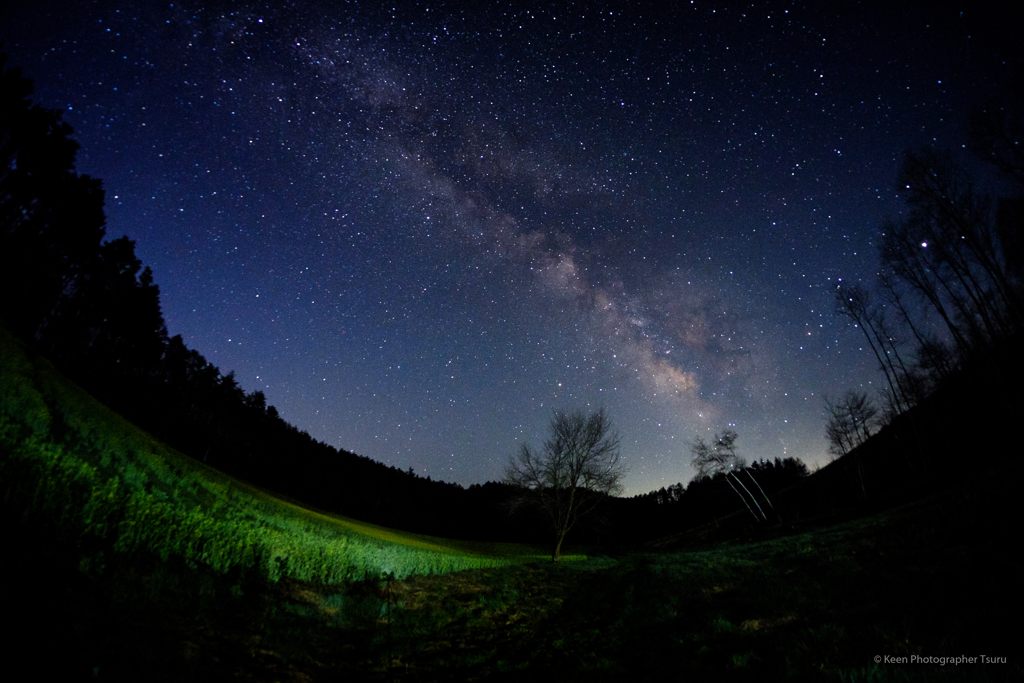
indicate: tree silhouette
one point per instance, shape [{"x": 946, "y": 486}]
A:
[
  {"x": 93, "y": 309},
  {"x": 576, "y": 468},
  {"x": 855, "y": 303},
  {"x": 851, "y": 420},
  {"x": 719, "y": 458},
  {"x": 950, "y": 251},
  {"x": 951, "y": 279},
  {"x": 51, "y": 218}
]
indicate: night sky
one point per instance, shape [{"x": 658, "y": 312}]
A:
[{"x": 419, "y": 230}]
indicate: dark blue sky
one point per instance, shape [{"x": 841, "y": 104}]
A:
[{"x": 421, "y": 230}]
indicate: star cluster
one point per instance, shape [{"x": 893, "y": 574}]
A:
[{"x": 419, "y": 228}]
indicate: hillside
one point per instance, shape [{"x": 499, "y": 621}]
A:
[
  {"x": 71, "y": 465},
  {"x": 130, "y": 561}
]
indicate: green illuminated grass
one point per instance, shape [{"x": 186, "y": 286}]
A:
[{"x": 68, "y": 461}]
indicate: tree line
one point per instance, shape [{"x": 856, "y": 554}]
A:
[
  {"x": 949, "y": 298},
  {"x": 717, "y": 491},
  {"x": 89, "y": 305},
  {"x": 947, "y": 306}
]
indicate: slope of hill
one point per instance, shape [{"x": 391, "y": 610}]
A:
[{"x": 70, "y": 464}]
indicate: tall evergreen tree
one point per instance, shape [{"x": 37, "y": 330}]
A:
[{"x": 51, "y": 218}]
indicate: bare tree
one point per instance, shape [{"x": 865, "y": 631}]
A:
[
  {"x": 577, "y": 467},
  {"x": 851, "y": 420},
  {"x": 719, "y": 457},
  {"x": 951, "y": 249},
  {"x": 854, "y": 302},
  {"x": 935, "y": 360}
]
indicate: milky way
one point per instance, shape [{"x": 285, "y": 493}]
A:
[{"x": 420, "y": 230}]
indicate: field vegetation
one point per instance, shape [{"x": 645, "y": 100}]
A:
[
  {"x": 72, "y": 463},
  {"x": 141, "y": 563}
]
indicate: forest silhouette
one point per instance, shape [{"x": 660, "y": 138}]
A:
[{"x": 89, "y": 305}]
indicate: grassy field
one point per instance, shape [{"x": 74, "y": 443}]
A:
[
  {"x": 937, "y": 578},
  {"x": 934, "y": 579},
  {"x": 70, "y": 462},
  {"x": 126, "y": 561}
]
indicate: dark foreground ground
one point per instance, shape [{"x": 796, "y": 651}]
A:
[{"x": 861, "y": 600}]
